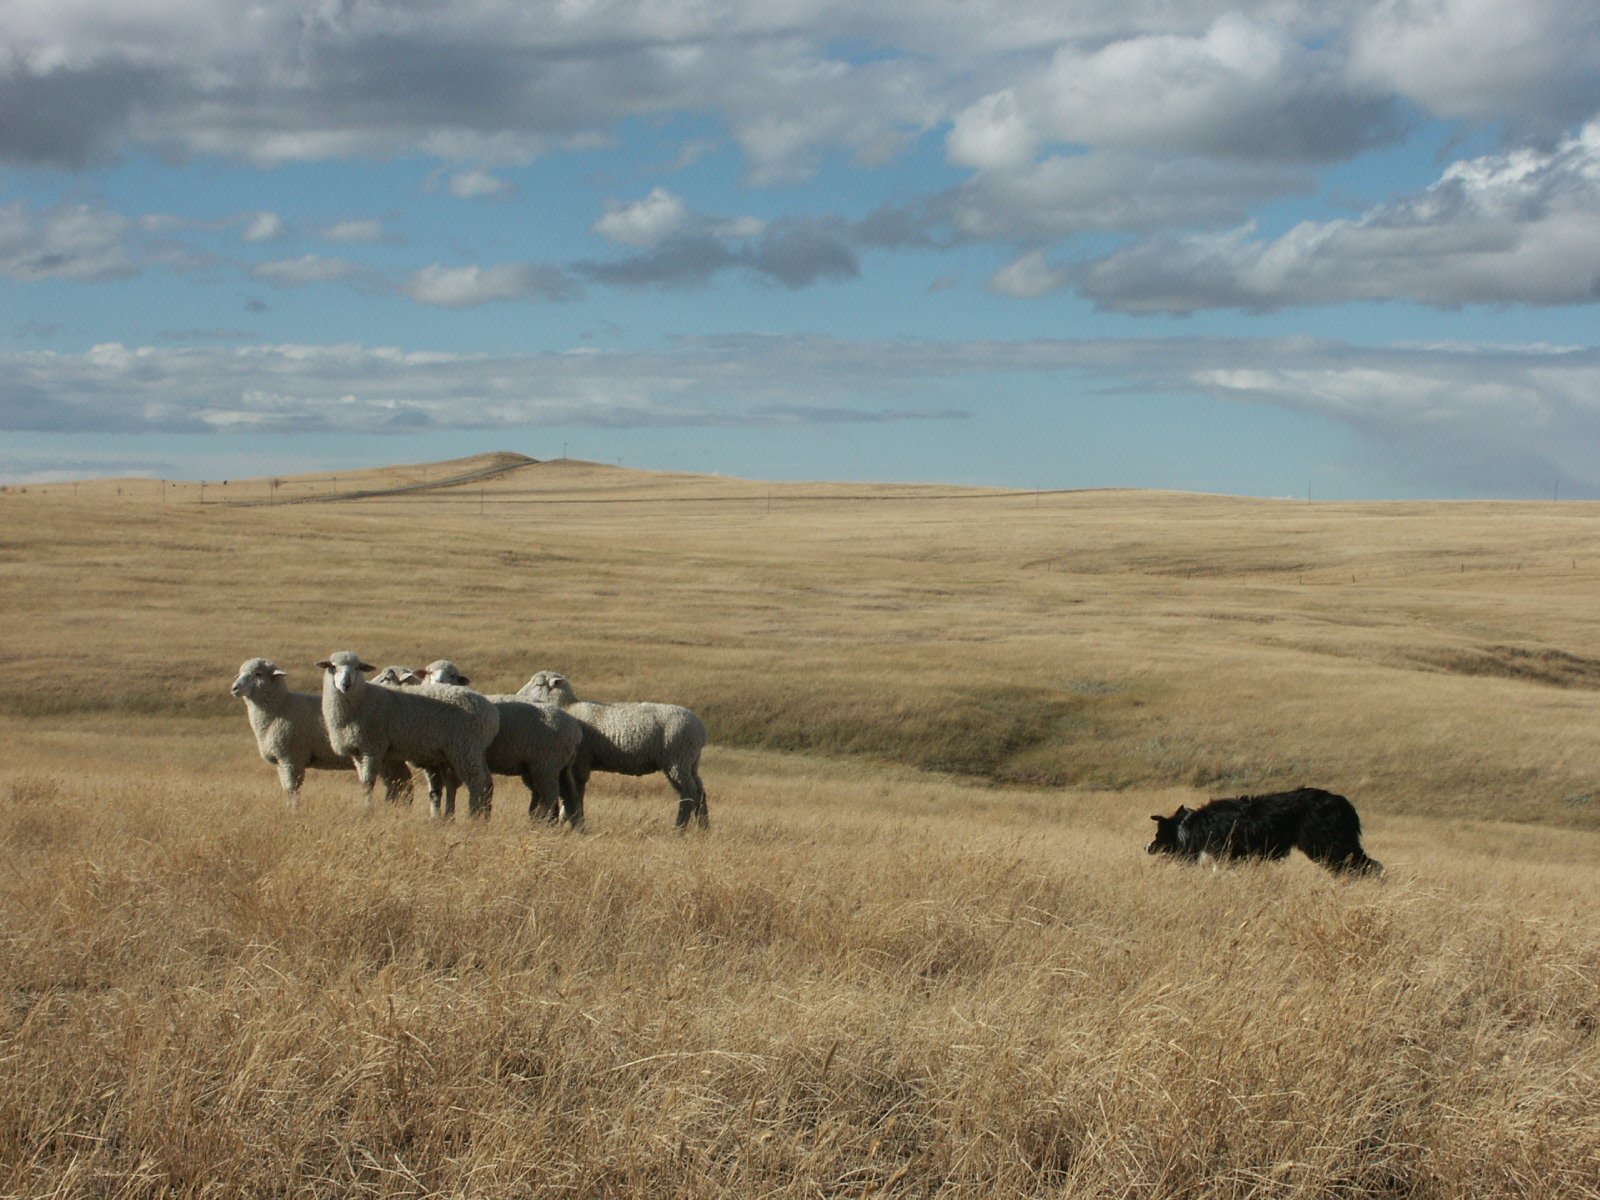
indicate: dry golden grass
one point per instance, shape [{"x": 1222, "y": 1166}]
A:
[{"x": 920, "y": 952}]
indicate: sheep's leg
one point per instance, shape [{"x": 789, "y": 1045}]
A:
[
  {"x": 702, "y": 817},
  {"x": 441, "y": 792},
  {"x": 290, "y": 778},
  {"x": 544, "y": 794},
  {"x": 691, "y": 795},
  {"x": 480, "y": 786},
  {"x": 367, "y": 772},
  {"x": 574, "y": 783}
]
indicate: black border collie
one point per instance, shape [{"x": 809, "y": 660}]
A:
[{"x": 1323, "y": 825}]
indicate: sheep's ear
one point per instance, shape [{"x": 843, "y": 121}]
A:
[
  {"x": 361, "y": 666},
  {"x": 325, "y": 665},
  {"x": 279, "y": 671},
  {"x": 464, "y": 681}
]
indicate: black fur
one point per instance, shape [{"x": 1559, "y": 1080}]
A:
[{"x": 1323, "y": 825}]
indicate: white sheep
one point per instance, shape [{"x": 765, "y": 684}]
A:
[
  {"x": 632, "y": 739},
  {"x": 537, "y": 743},
  {"x": 442, "y": 785},
  {"x": 444, "y": 730},
  {"x": 291, "y": 736}
]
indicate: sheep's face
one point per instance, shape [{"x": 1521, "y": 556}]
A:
[
  {"x": 345, "y": 670},
  {"x": 444, "y": 671},
  {"x": 255, "y": 676},
  {"x": 548, "y": 687}
]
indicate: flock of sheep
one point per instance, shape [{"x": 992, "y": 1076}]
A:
[{"x": 434, "y": 722}]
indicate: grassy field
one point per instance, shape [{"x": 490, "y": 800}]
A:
[{"x": 920, "y": 952}]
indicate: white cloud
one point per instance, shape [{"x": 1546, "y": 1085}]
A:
[
  {"x": 992, "y": 133},
  {"x": 1518, "y": 417},
  {"x": 1028, "y": 277},
  {"x": 1241, "y": 89},
  {"x": 1535, "y": 63},
  {"x": 464, "y": 287},
  {"x": 68, "y": 242},
  {"x": 478, "y": 81},
  {"x": 647, "y": 222},
  {"x": 792, "y": 253},
  {"x": 1515, "y": 228},
  {"x": 367, "y": 229},
  {"x": 1488, "y": 419},
  {"x": 1103, "y": 191},
  {"x": 264, "y": 227},
  {"x": 307, "y": 388},
  {"x": 662, "y": 217},
  {"x": 477, "y": 184}
]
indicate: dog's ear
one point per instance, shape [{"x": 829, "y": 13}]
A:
[
  {"x": 1183, "y": 811},
  {"x": 1157, "y": 818}
]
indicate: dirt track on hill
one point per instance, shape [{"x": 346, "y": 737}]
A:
[{"x": 493, "y": 471}]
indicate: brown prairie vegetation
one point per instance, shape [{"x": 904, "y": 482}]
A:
[{"x": 920, "y": 953}]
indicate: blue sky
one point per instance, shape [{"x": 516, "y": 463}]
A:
[{"x": 1347, "y": 248}]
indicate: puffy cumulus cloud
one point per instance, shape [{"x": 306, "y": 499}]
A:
[
  {"x": 73, "y": 114},
  {"x": 1515, "y": 228},
  {"x": 685, "y": 249},
  {"x": 482, "y": 82},
  {"x": 994, "y": 132},
  {"x": 789, "y": 80},
  {"x": 799, "y": 253},
  {"x": 647, "y": 222},
  {"x": 1111, "y": 191},
  {"x": 467, "y": 286},
  {"x": 1242, "y": 89},
  {"x": 677, "y": 262},
  {"x": 1028, "y": 277},
  {"x": 68, "y": 242},
  {"x": 663, "y": 217},
  {"x": 1534, "y": 64},
  {"x": 786, "y": 114},
  {"x": 471, "y": 81}
]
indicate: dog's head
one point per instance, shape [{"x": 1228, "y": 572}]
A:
[{"x": 1169, "y": 837}]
